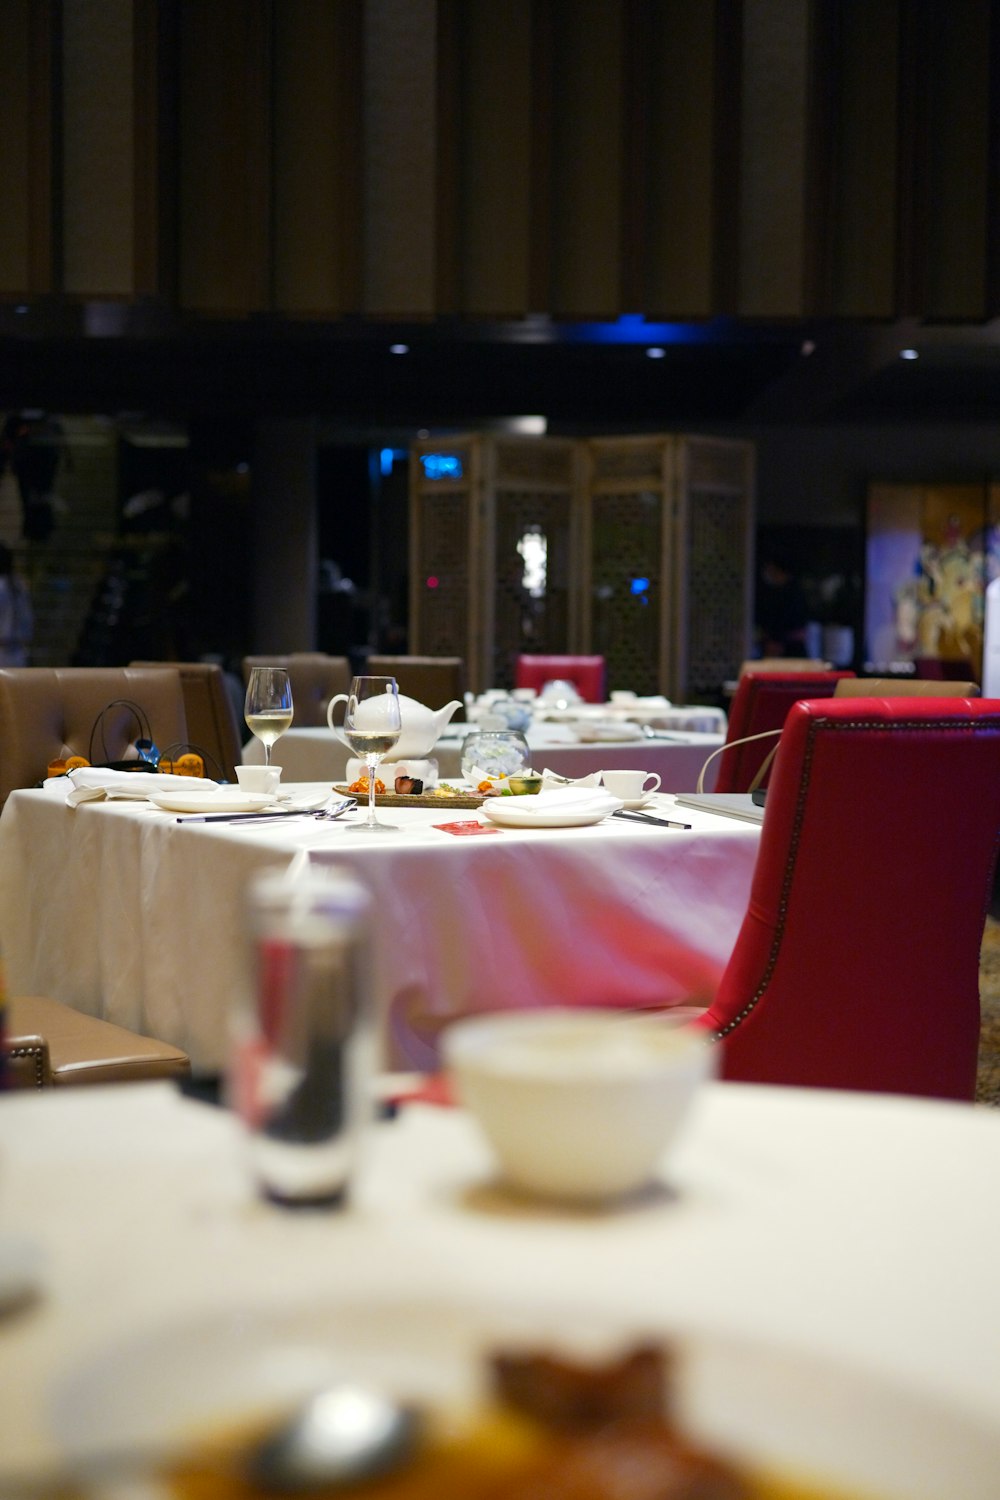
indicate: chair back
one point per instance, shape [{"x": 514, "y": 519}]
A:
[
  {"x": 857, "y": 963},
  {"x": 586, "y": 673},
  {"x": 760, "y": 706},
  {"x": 212, "y": 722},
  {"x": 784, "y": 664},
  {"x": 315, "y": 678},
  {"x": 904, "y": 687},
  {"x": 431, "y": 680},
  {"x": 48, "y": 714}
]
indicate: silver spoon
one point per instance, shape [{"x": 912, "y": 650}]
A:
[
  {"x": 342, "y": 1435},
  {"x": 657, "y": 734}
]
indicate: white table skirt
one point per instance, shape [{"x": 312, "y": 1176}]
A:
[
  {"x": 861, "y": 1229},
  {"x": 317, "y": 755},
  {"x": 118, "y": 909}
]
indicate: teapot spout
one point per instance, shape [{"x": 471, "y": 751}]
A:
[{"x": 443, "y": 715}]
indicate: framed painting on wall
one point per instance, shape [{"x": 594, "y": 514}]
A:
[{"x": 931, "y": 550}]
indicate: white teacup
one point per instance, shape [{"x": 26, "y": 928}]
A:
[
  {"x": 630, "y": 785},
  {"x": 259, "y": 778}
]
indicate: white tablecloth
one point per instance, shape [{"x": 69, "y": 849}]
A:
[
  {"x": 317, "y": 755},
  {"x": 861, "y": 1229},
  {"x": 118, "y": 909}
]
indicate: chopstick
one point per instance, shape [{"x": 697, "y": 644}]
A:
[
  {"x": 298, "y": 812},
  {"x": 641, "y": 817}
]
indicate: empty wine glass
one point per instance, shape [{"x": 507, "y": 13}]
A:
[
  {"x": 268, "y": 705},
  {"x": 371, "y": 727}
]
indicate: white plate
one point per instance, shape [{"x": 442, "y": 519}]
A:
[
  {"x": 222, "y": 799},
  {"x": 523, "y": 812},
  {"x": 784, "y": 1408},
  {"x": 608, "y": 733}
]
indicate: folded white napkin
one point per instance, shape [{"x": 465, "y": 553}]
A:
[
  {"x": 91, "y": 783},
  {"x": 553, "y": 779},
  {"x": 568, "y": 798}
]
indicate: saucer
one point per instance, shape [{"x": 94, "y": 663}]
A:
[{"x": 638, "y": 804}]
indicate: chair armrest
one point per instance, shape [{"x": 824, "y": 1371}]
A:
[{"x": 26, "y": 1062}]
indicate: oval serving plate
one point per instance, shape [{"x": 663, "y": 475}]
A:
[
  {"x": 222, "y": 799},
  {"x": 788, "y": 1412},
  {"x": 535, "y": 812}
]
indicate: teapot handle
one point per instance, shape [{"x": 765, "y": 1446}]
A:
[{"x": 337, "y": 698}]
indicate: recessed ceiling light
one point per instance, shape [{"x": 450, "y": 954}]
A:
[
  {"x": 399, "y": 348},
  {"x": 655, "y": 351},
  {"x": 808, "y": 347},
  {"x": 909, "y": 354}
]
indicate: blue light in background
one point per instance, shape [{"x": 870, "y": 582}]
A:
[
  {"x": 639, "y": 586},
  {"x": 441, "y": 465},
  {"x": 632, "y": 328},
  {"x": 385, "y": 459}
]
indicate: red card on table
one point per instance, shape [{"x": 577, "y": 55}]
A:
[{"x": 467, "y": 827}]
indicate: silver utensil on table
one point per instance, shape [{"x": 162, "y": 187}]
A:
[
  {"x": 327, "y": 813},
  {"x": 641, "y": 817},
  {"x": 658, "y": 734},
  {"x": 343, "y": 1435}
]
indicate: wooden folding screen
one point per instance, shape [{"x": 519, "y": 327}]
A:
[{"x": 644, "y": 545}]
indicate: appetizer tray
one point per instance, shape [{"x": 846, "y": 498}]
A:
[{"x": 419, "y": 799}]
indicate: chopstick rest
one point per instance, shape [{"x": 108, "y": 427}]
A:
[{"x": 640, "y": 817}]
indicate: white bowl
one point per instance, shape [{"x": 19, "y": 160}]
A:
[{"x": 577, "y": 1104}]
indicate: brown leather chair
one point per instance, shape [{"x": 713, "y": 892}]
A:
[
  {"x": 49, "y": 1045},
  {"x": 431, "y": 680},
  {"x": 315, "y": 679},
  {"x": 903, "y": 687},
  {"x": 212, "y": 723},
  {"x": 49, "y": 713}
]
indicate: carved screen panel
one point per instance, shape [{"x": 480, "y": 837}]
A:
[
  {"x": 532, "y": 580},
  {"x": 443, "y": 534},
  {"x": 443, "y": 573},
  {"x": 532, "y": 502},
  {"x": 627, "y": 586},
  {"x": 716, "y": 573}
]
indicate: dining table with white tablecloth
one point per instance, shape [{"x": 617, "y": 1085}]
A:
[
  {"x": 135, "y": 914},
  {"x": 825, "y": 1260},
  {"x": 570, "y": 750}
]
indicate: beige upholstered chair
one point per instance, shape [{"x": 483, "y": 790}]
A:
[
  {"x": 315, "y": 678},
  {"x": 49, "y": 1045},
  {"x": 212, "y": 723},
  {"x": 49, "y": 713},
  {"x": 785, "y": 664},
  {"x": 903, "y": 687},
  {"x": 431, "y": 680}
]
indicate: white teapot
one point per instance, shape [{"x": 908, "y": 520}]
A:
[{"x": 421, "y": 726}]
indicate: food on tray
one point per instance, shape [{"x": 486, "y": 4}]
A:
[
  {"x": 408, "y": 786},
  {"x": 552, "y": 1429},
  {"x": 359, "y": 788}
]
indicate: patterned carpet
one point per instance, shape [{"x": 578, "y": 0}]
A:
[{"x": 988, "y": 1083}]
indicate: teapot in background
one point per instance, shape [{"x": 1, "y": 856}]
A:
[{"x": 422, "y": 726}]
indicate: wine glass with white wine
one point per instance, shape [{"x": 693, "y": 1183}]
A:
[
  {"x": 268, "y": 705},
  {"x": 372, "y": 726}
]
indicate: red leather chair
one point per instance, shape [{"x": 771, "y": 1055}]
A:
[
  {"x": 586, "y": 673},
  {"x": 857, "y": 964},
  {"x": 760, "y": 704}
]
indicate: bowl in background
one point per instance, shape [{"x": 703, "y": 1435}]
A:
[{"x": 577, "y": 1104}]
